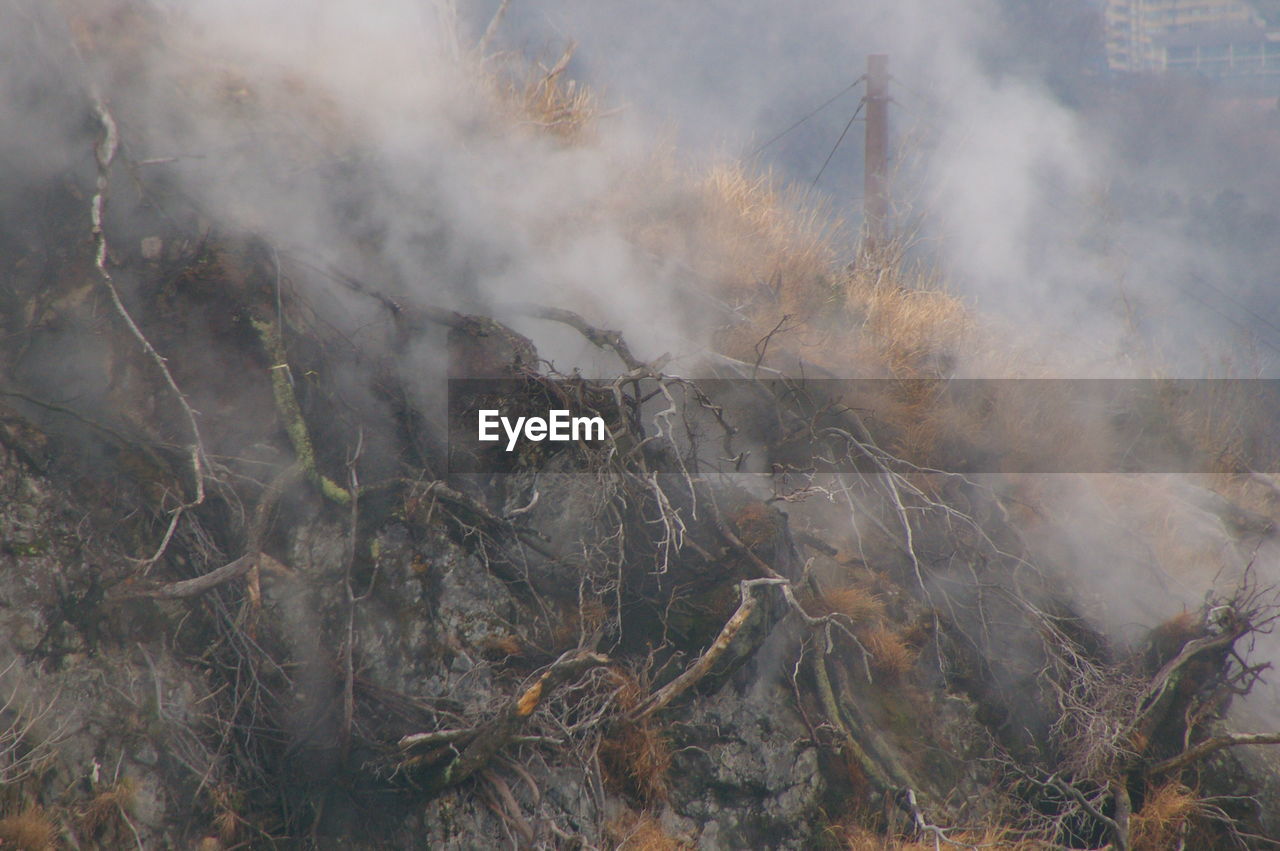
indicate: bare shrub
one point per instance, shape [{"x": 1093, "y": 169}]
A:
[
  {"x": 29, "y": 830},
  {"x": 1164, "y": 818}
]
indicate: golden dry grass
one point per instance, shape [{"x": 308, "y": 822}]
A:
[
  {"x": 857, "y": 838},
  {"x": 891, "y": 657},
  {"x": 501, "y": 646},
  {"x": 561, "y": 107},
  {"x": 227, "y": 803},
  {"x": 1221, "y": 423},
  {"x": 782, "y": 264},
  {"x": 545, "y": 99},
  {"x": 757, "y": 525},
  {"x": 766, "y": 234},
  {"x": 1165, "y": 816},
  {"x": 107, "y": 805},
  {"x": 641, "y": 832},
  {"x": 909, "y": 325},
  {"x": 763, "y": 248},
  {"x": 853, "y": 601},
  {"x": 635, "y": 756},
  {"x": 29, "y": 830}
]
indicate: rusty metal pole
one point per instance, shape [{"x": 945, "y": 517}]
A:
[{"x": 875, "y": 186}]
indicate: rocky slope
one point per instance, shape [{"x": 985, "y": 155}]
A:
[{"x": 250, "y": 598}]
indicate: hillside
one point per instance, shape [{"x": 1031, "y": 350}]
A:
[{"x": 261, "y": 587}]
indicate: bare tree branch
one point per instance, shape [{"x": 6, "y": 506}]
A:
[
  {"x": 598, "y": 337},
  {"x": 1210, "y": 745},
  {"x": 704, "y": 663},
  {"x": 104, "y": 154},
  {"x": 474, "y": 747}
]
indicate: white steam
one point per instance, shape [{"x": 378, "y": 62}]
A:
[{"x": 358, "y": 134}]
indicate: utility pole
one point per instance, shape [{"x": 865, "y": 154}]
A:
[{"x": 875, "y": 185}]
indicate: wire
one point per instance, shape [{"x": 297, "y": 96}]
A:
[
  {"x": 1251, "y": 332},
  {"x": 924, "y": 96},
  {"x": 1200, "y": 279},
  {"x": 1188, "y": 291},
  {"x": 816, "y": 110},
  {"x": 843, "y": 132}
]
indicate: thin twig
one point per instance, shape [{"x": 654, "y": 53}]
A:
[{"x": 104, "y": 153}]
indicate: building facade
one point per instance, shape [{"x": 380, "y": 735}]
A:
[{"x": 1231, "y": 40}]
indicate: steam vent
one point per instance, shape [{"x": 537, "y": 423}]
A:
[{"x": 443, "y": 424}]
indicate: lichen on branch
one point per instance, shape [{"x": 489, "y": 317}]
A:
[{"x": 291, "y": 413}]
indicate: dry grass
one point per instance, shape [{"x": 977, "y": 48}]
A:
[
  {"x": 769, "y": 236},
  {"x": 764, "y": 248},
  {"x": 768, "y": 252},
  {"x": 891, "y": 657},
  {"x": 1222, "y": 423},
  {"x": 853, "y": 601},
  {"x": 778, "y": 262},
  {"x": 563, "y": 108},
  {"x": 500, "y": 646},
  {"x": 764, "y": 251},
  {"x": 635, "y": 756},
  {"x": 109, "y": 804},
  {"x": 641, "y": 832},
  {"x": 543, "y": 98},
  {"x": 757, "y": 525},
  {"x": 29, "y": 830},
  {"x": 910, "y": 326},
  {"x": 227, "y": 801},
  {"x": 858, "y": 838},
  {"x": 1165, "y": 817}
]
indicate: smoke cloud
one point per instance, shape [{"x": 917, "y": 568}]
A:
[
  {"x": 1123, "y": 229},
  {"x": 1094, "y": 210}
]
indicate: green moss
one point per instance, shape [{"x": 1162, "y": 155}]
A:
[
  {"x": 290, "y": 412},
  {"x": 29, "y": 549}
]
